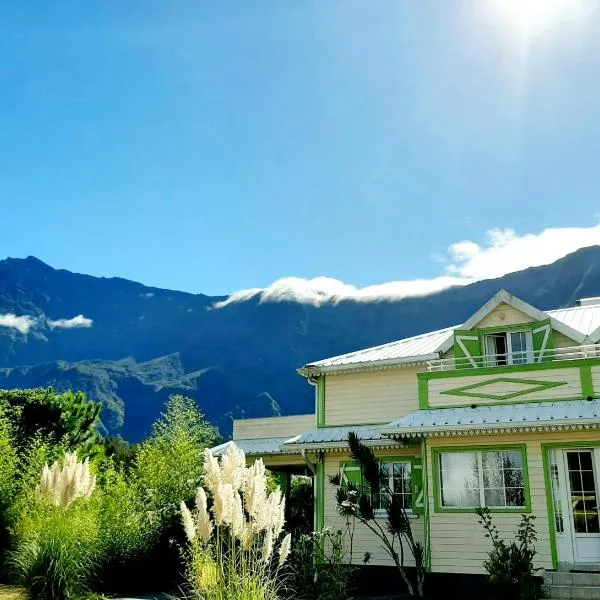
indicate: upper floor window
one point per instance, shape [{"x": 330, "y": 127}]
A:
[{"x": 508, "y": 348}]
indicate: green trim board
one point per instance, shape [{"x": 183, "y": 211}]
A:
[
  {"x": 426, "y": 524},
  {"x": 320, "y": 496},
  {"x": 423, "y": 393},
  {"x": 560, "y": 364},
  {"x": 587, "y": 381},
  {"x": 535, "y": 386},
  {"x": 437, "y": 492},
  {"x": 478, "y": 404},
  {"x": 321, "y": 401},
  {"x": 546, "y": 448}
]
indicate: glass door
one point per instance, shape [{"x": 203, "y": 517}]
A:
[{"x": 581, "y": 468}]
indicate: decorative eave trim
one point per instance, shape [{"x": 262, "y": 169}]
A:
[
  {"x": 343, "y": 446},
  {"x": 458, "y": 431},
  {"x": 373, "y": 365}
]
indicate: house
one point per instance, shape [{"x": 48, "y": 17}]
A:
[{"x": 502, "y": 411}]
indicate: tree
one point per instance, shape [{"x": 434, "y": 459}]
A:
[
  {"x": 169, "y": 463},
  {"x": 69, "y": 419},
  {"x": 356, "y": 502}
]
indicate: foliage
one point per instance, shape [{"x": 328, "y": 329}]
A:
[
  {"x": 55, "y": 549},
  {"x": 68, "y": 419},
  {"x": 121, "y": 451},
  {"x": 320, "y": 567},
  {"x": 235, "y": 550},
  {"x": 510, "y": 566},
  {"x": 169, "y": 464},
  {"x": 8, "y": 471},
  {"x": 356, "y": 503},
  {"x": 300, "y": 506},
  {"x": 127, "y": 535}
]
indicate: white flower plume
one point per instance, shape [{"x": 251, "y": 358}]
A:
[{"x": 66, "y": 481}]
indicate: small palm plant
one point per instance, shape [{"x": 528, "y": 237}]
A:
[
  {"x": 236, "y": 546},
  {"x": 355, "y": 503}
]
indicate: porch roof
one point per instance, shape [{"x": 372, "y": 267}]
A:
[
  {"x": 490, "y": 419},
  {"x": 336, "y": 438},
  {"x": 256, "y": 447}
]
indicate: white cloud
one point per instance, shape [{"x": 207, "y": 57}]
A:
[
  {"x": 503, "y": 251},
  {"x": 77, "y": 322},
  {"x": 23, "y": 323},
  {"x": 147, "y": 295}
]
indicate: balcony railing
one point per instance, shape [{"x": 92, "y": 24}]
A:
[{"x": 515, "y": 358}]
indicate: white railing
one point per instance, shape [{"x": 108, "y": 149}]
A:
[{"x": 515, "y": 358}]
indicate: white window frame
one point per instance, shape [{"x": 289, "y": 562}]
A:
[
  {"x": 492, "y": 359},
  {"x": 381, "y": 512},
  {"x": 479, "y": 453}
]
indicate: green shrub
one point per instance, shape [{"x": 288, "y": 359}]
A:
[
  {"x": 319, "y": 566},
  {"x": 510, "y": 565},
  {"x": 127, "y": 535},
  {"x": 8, "y": 484}
]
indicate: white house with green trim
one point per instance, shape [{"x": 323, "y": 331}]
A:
[{"x": 502, "y": 411}]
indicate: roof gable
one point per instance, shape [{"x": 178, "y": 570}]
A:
[{"x": 504, "y": 297}]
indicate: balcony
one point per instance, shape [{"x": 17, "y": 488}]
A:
[{"x": 528, "y": 357}]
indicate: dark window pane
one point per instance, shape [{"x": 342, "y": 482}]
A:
[
  {"x": 515, "y": 497},
  {"x": 573, "y": 461},
  {"x": 576, "y": 483},
  {"x": 585, "y": 458},
  {"x": 513, "y": 478},
  {"x": 589, "y": 484}
]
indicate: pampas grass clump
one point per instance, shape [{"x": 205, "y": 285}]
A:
[
  {"x": 56, "y": 536},
  {"x": 236, "y": 548}
]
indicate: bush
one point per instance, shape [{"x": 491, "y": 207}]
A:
[
  {"x": 8, "y": 472},
  {"x": 319, "y": 566},
  {"x": 510, "y": 566},
  {"x": 126, "y": 532}
]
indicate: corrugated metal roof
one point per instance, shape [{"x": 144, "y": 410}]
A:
[
  {"x": 496, "y": 417},
  {"x": 585, "y": 319},
  {"x": 421, "y": 345},
  {"x": 257, "y": 447},
  {"x": 337, "y": 434}
]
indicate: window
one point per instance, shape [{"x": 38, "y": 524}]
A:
[
  {"x": 399, "y": 479},
  {"x": 508, "y": 348},
  {"x": 492, "y": 478}
]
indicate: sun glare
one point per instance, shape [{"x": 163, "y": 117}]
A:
[{"x": 532, "y": 18}]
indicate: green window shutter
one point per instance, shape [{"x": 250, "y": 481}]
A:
[
  {"x": 350, "y": 474},
  {"x": 542, "y": 340},
  {"x": 418, "y": 489},
  {"x": 467, "y": 349}
]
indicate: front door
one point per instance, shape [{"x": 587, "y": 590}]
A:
[{"x": 575, "y": 487}]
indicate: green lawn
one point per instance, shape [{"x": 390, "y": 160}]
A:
[{"x": 10, "y": 593}]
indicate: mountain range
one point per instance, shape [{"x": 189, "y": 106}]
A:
[{"x": 130, "y": 346}]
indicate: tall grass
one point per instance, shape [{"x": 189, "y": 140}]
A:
[
  {"x": 236, "y": 548},
  {"x": 56, "y": 534}
]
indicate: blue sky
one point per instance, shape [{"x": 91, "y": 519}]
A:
[{"x": 218, "y": 146}]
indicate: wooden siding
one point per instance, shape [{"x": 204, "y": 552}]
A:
[
  {"x": 570, "y": 389},
  {"x": 374, "y": 397},
  {"x": 511, "y": 315},
  {"x": 364, "y": 540},
  {"x": 272, "y": 427},
  {"x": 558, "y": 340},
  {"x": 458, "y": 542}
]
